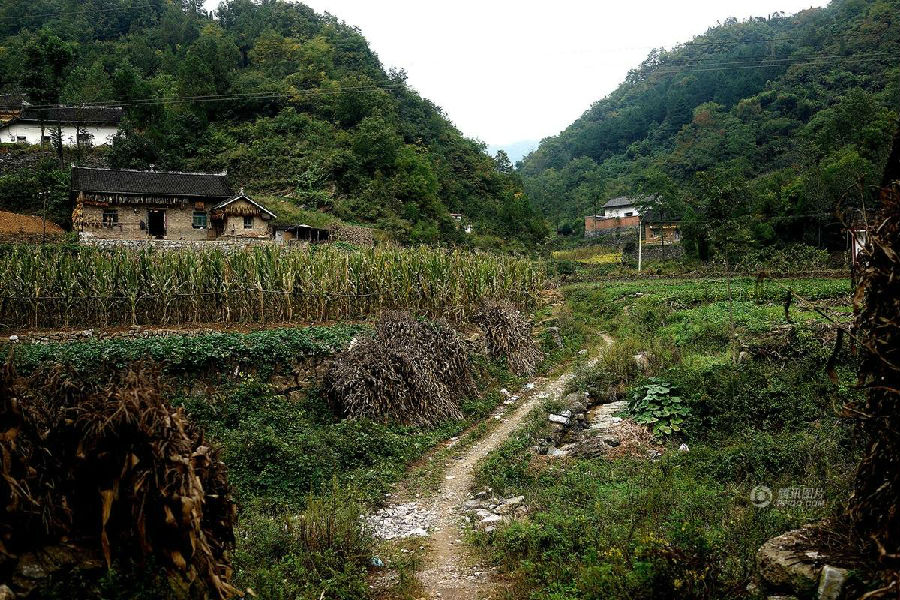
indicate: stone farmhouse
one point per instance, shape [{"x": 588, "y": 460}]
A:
[
  {"x": 76, "y": 125},
  {"x": 146, "y": 205}
]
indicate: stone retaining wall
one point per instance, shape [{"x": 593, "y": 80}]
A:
[
  {"x": 361, "y": 236},
  {"x": 651, "y": 254},
  {"x": 227, "y": 245}
]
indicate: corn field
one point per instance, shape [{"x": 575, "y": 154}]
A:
[{"x": 56, "y": 286}]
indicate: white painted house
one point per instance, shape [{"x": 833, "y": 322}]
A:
[
  {"x": 79, "y": 125},
  {"x": 621, "y": 207}
]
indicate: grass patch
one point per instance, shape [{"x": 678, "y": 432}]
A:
[{"x": 684, "y": 525}]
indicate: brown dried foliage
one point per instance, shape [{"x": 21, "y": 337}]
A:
[
  {"x": 112, "y": 468},
  {"x": 508, "y": 336},
  {"x": 410, "y": 372},
  {"x": 875, "y": 505}
]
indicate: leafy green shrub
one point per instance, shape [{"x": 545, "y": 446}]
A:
[
  {"x": 617, "y": 367},
  {"x": 260, "y": 351},
  {"x": 770, "y": 397},
  {"x": 656, "y": 404},
  {"x": 790, "y": 259},
  {"x": 566, "y": 267}
]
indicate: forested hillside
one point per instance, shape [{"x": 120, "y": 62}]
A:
[
  {"x": 293, "y": 104},
  {"x": 766, "y": 126}
]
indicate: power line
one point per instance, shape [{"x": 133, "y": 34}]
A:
[
  {"x": 764, "y": 65},
  {"x": 250, "y": 96},
  {"x": 83, "y": 12},
  {"x": 224, "y": 97},
  {"x": 767, "y": 58}
]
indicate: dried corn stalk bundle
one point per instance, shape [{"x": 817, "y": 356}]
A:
[
  {"x": 112, "y": 470},
  {"x": 508, "y": 336},
  {"x": 411, "y": 372},
  {"x": 875, "y": 505}
]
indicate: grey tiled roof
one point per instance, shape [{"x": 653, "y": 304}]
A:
[
  {"x": 630, "y": 201},
  {"x": 152, "y": 183},
  {"x": 621, "y": 201},
  {"x": 95, "y": 115}
]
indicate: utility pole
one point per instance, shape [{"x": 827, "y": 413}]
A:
[
  {"x": 44, "y": 195},
  {"x": 640, "y": 245}
]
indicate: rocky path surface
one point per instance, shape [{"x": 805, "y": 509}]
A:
[{"x": 450, "y": 573}]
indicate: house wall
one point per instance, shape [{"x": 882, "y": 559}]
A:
[
  {"x": 662, "y": 234},
  {"x": 9, "y": 133},
  {"x": 234, "y": 227},
  {"x": 621, "y": 212},
  {"x": 234, "y": 223},
  {"x": 179, "y": 224},
  {"x": 597, "y": 226}
]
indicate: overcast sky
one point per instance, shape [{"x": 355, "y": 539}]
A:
[{"x": 512, "y": 70}]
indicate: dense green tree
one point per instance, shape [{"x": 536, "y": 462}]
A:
[
  {"x": 798, "y": 111},
  {"x": 46, "y": 59},
  {"x": 291, "y": 103}
]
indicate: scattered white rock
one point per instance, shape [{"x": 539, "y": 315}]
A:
[
  {"x": 643, "y": 361},
  {"x": 559, "y": 419},
  {"x": 529, "y": 386},
  {"x": 684, "y": 448},
  {"x": 14, "y": 338},
  {"x": 401, "y": 521}
]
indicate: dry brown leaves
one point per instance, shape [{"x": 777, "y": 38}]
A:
[
  {"x": 636, "y": 441},
  {"x": 875, "y": 505},
  {"x": 112, "y": 466},
  {"x": 411, "y": 372},
  {"x": 507, "y": 335}
]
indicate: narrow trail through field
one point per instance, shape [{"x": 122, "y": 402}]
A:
[{"x": 450, "y": 572}]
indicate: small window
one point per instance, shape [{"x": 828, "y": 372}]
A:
[
  {"x": 47, "y": 139},
  {"x": 248, "y": 222},
  {"x": 110, "y": 216},
  {"x": 629, "y": 214},
  {"x": 21, "y": 139},
  {"x": 199, "y": 219}
]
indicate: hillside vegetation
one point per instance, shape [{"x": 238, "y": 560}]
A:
[
  {"x": 756, "y": 131},
  {"x": 293, "y": 104}
]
